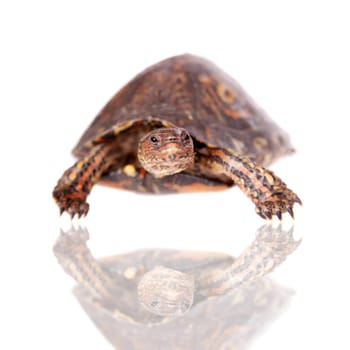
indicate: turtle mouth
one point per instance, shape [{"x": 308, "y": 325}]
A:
[
  {"x": 169, "y": 161},
  {"x": 173, "y": 153}
]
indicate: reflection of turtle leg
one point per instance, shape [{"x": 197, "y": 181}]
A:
[
  {"x": 76, "y": 259},
  {"x": 269, "y": 249},
  {"x": 269, "y": 193},
  {"x": 75, "y": 184}
]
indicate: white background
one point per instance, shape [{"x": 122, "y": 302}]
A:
[{"x": 59, "y": 64}]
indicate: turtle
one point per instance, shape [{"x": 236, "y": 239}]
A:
[
  {"x": 150, "y": 298},
  {"x": 181, "y": 125}
]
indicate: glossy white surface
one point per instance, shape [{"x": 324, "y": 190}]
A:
[{"x": 61, "y": 63}]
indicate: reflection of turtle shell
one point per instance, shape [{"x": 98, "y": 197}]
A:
[
  {"x": 212, "y": 323},
  {"x": 192, "y": 93}
]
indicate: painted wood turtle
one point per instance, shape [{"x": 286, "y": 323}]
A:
[
  {"x": 181, "y": 125},
  {"x": 173, "y": 299}
]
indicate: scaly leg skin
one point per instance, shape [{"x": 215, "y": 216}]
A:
[
  {"x": 75, "y": 184},
  {"x": 269, "y": 193}
]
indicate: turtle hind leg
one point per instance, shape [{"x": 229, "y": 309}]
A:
[
  {"x": 76, "y": 182},
  {"x": 270, "y": 194}
]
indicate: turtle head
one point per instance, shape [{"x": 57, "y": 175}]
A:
[{"x": 166, "y": 151}]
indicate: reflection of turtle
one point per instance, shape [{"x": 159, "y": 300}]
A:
[
  {"x": 181, "y": 125},
  {"x": 188, "y": 300}
]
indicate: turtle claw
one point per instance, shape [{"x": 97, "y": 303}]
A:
[
  {"x": 279, "y": 214},
  {"x": 73, "y": 203},
  {"x": 268, "y": 214},
  {"x": 78, "y": 208},
  {"x": 278, "y": 204},
  {"x": 260, "y": 213}
]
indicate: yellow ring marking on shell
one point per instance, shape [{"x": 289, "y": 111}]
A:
[
  {"x": 129, "y": 170},
  {"x": 226, "y": 94}
]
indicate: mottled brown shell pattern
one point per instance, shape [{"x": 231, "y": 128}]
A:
[{"x": 192, "y": 93}]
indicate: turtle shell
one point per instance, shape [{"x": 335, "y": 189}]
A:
[{"x": 189, "y": 92}]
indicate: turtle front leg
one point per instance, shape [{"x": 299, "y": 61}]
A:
[
  {"x": 75, "y": 184},
  {"x": 269, "y": 193}
]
